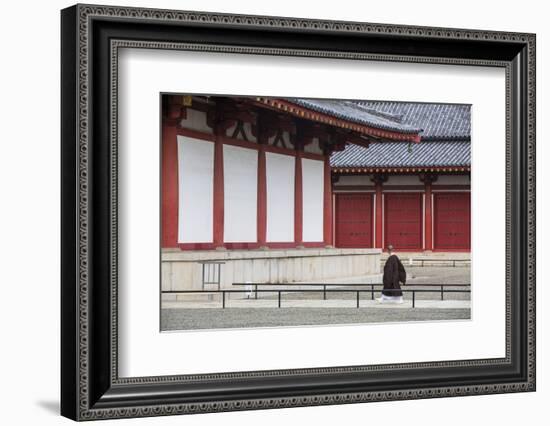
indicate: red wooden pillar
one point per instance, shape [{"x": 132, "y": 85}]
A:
[
  {"x": 428, "y": 237},
  {"x": 262, "y": 197},
  {"x": 428, "y": 179},
  {"x": 169, "y": 184},
  {"x": 298, "y": 199},
  {"x": 378, "y": 213},
  {"x": 218, "y": 193},
  {"x": 327, "y": 204}
]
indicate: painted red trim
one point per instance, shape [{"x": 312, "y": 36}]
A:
[
  {"x": 298, "y": 199},
  {"x": 371, "y": 188},
  {"x": 308, "y": 114},
  {"x": 218, "y": 222},
  {"x": 422, "y": 187},
  {"x": 428, "y": 217},
  {"x": 400, "y": 170},
  {"x": 169, "y": 185},
  {"x": 196, "y": 134},
  {"x": 367, "y": 188},
  {"x": 379, "y": 217},
  {"x": 373, "y": 219},
  {"x": 361, "y": 188},
  {"x": 239, "y": 142},
  {"x": 436, "y": 188},
  {"x": 328, "y": 235},
  {"x": 241, "y": 246},
  {"x": 314, "y": 244},
  {"x": 281, "y": 245},
  {"x": 249, "y": 246},
  {"x": 261, "y": 209},
  {"x": 313, "y": 156},
  {"x": 196, "y": 246}
]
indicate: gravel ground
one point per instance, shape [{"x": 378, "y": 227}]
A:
[
  {"x": 184, "y": 318},
  {"x": 197, "y": 319}
]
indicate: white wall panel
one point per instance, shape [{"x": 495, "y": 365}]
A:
[
  {"x": 196, "y": 120},
  {"x": 355, "y": 180},
  {"x": 313, "y": 147},
  {"x": 240, "y": 169},
  {"x": 280, "y": 197},
  {"x": 403, "y": 180},
  {"x": 452, "y": 180},
  {"x": 312, "y": 196},
  {"x": 196, "y": 190}
]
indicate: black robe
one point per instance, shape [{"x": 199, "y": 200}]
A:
[{"x": 393, "y": 273}]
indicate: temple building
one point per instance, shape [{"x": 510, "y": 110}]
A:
[
  {"x": 290, "y": 190},
  {"x": 416, "y": 198}
]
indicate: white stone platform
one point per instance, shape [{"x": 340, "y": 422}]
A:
[{"x": 181, "y": 270}]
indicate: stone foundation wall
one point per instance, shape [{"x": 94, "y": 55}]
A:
[{"x": 181, "y": 270}]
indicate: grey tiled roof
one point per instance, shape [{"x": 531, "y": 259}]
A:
[
  {"x": 357, "y": 113},
  {"x": 438, "y": 121},
  {"x": 396, "y": 154}
]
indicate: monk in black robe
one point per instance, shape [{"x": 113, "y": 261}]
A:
[{"x": 394, "y": 273}]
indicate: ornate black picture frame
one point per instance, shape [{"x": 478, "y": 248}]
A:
[{"x": 91, "y": 388}]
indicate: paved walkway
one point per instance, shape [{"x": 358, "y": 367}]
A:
[{"x": 306, "y": 304}]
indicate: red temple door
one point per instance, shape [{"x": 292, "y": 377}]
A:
[
  {"x": 354, "y": 220},
  {"x": 452, "y": 221},
  {"x": 403, "y": 220}
]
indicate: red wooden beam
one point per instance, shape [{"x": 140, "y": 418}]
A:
[
  {"x": 218, "y": 193},
  {"x": 262, "y": 197},
  {"x": 428, "y": 237},
  {"x": 327, "y": 204},
  {"x": 378, "y": 213},
  {"x": 298, "y": 200},
  {"x": 169, "y": 184},
  {"x": 379, "y": 225}
]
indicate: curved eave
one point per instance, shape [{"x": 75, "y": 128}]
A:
[
  {"x": 302, "y": 112},
  {"x": 441, "y": 169}
]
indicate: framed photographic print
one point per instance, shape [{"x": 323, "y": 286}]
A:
[{"x": 263, "y": 212}]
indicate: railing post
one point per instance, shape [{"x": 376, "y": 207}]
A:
[
  {"x": 256, "y": 292},
  {"x": 413, "y": 292},
  {"x": 358, "y": 298},
  {"x": 223, "y": 299},
  {"x": 279, "y": 298},
  {"x": 219, "y": 275},
  {"x": 325, "y": 292},
  {"x": 441, "y": 291},
  {"x": 372, "y": 292}
]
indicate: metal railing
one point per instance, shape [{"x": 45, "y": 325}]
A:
[
  {"x": 324, "y": 286},
  {"x": 324, "y": 290},
  {"x": 211, "y": 272},
  {"x": 422, "y": 262}
]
